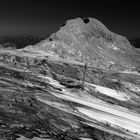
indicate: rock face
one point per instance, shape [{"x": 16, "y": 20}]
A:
[
  {"x": 43, "y": 95},
  {"x": 88, "y": 40}
]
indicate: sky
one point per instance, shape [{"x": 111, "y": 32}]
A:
[{"x": 43, "y": 17}]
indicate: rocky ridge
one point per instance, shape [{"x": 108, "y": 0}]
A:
[{"x": 88, "y": 40}]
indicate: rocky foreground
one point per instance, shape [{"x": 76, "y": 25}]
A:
[{"x": 81, "y": 83}]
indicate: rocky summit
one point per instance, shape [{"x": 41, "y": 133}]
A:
[
  {"x": 87, "y": 40},
  {"x": 81, "y": 83}
]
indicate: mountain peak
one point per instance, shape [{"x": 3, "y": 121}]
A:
[{"x": 89, "y": 41}]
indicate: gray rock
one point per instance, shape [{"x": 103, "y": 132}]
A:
[{"x": 92, "y": 43}]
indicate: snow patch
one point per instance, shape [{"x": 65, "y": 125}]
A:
[
  {"x": 110, "y": 92},
  {"x": 112, "y": 46},
  {"x": 117, "y": 121},
  {"x": 53, "y": 82}
]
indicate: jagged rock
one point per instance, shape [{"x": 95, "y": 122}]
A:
[
  {"x": 47, "y": 91},
  {"x": 88, "y": 40}
]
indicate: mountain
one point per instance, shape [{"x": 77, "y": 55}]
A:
[
  {"x": 89, "y": 41},
  {"x": 19, "y": 42},
  {"x": 81, "y": 83}
]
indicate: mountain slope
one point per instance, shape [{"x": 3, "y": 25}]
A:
[{"x": 55, "y": 91}]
